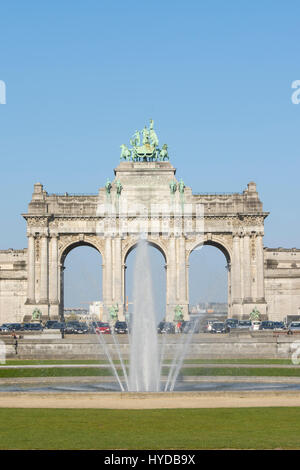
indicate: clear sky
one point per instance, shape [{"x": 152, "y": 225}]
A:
[{"x": 81, "y": 76}]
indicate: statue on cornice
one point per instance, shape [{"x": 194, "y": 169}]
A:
[
  {"x": 119, "y": 187},
  {"x": 173, "y": 187},
  {"x": 181, "y": 186},
  {"x": 108, "y": 186}
]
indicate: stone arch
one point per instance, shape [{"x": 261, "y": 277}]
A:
[
  {"x": 75, "y": 242},
  {"x": 156, "y": 244},
  {"x": 216, "y": 241},
  {"x": 65, "y": 247},
  {"x": 224, "y": 246}
]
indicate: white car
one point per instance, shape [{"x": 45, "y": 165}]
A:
[{"x": 255, "y": 325}]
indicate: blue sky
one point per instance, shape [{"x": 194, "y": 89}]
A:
[{"x": 215, "y": 76}]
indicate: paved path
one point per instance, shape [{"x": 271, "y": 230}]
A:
[{"x": 150, "y": 401}]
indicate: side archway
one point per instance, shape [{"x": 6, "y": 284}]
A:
[
  {"x": 209, "y": 281},
  {"x": 84, "y": 274}
]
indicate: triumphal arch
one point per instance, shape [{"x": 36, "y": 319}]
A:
[{"x": 146, "y": 199}]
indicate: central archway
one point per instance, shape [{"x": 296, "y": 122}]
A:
[{"x": 158, "y": 273}]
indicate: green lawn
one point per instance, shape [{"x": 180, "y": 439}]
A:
[
  {"x": 194, "y": 371},
  {"x": 240, "y": 428},
  {"x": 258, "y": 361}
]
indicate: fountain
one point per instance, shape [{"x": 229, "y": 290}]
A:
[
  {"x": 144, "y": 372},
  {"x": 146, "y": 357}
]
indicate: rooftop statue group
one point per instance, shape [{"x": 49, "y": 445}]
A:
[{"x": 145, "y": 149}]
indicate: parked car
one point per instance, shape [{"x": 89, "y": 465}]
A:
[
  {"x": 121, "y": 327},
  {"x": 4, "y": 327},
  {"x": 294, "y": 327},
  {"x": 232, "y": 323},
  {"x": 207, "y": 326},
  {"x": 50, "y": 324},
  {"x": 190, "y": 327},
  {"x": 267, "y": 325},
  {"x": 32, "y": 327},
  {"x": 219, "y": 327},
  {"x": 11, "y": 327},
  {"x": 103, "y": 328},
  {"x": 255, "y": 325},
  {"x": 57, "y": 325},
  {"x": 244, "y": 324},
  {"x": 93, "y": 326},
  {"x": 81, "y": 329},
  {"x": 166, "y": 327},
  {"x": 68, "y": 329},
  {"x": 279, "y": 326},
  {"x": 75, "y": 328}
]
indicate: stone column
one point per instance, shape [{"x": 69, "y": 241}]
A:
[
  {"x": 171, "y": 280},
  {"x": 117, "y": 276},
  {"x": 44, "y": 271},
  {"x": 107, "y": 275},
  {"x": 53, "y": 277},
  {"x": 61, "y": 295},
  {"x": 228, "y": 267},
  {"x": 124, "y": 296},
  {"x": 236, "y": 276},
  {"x": 181, "y": 276},
  {"x": 31, "y": 270},
  {"x": 247, "y": 269},
  {"x": 260, "y": 268}
]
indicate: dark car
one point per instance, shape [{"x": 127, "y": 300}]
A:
[
  {"x": 190, "y": 327},
  {"x": 279, "y": 325},
  {"x": 4, "y": 327},
  {"x": 166, "y": 327},
  {"x": 121, "y": 327},
  {"x": 76, "y": 328},
  {"x": 267, "y": 325},
  {"x": 244, "y": 325},
  {"x": 219, "y": 327},
  {"x": 68, "y": 329},
  {"x": 82, "y": 328},
  {"x": 57, "y": 325},
  {"x": 11, "y": 327},
  {"x": 32, "y": 327},
  {"x": 232, "y": 323},
  {"x": 51, "y": 324}
]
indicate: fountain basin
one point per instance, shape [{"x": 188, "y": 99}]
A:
[{"x": 188, "y": 384}]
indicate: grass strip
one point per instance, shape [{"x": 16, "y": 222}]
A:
[
  {"x": 253, "y": 361},
  {"x": 230, "y": 428},
  {"x": 196, "y": 371}
]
